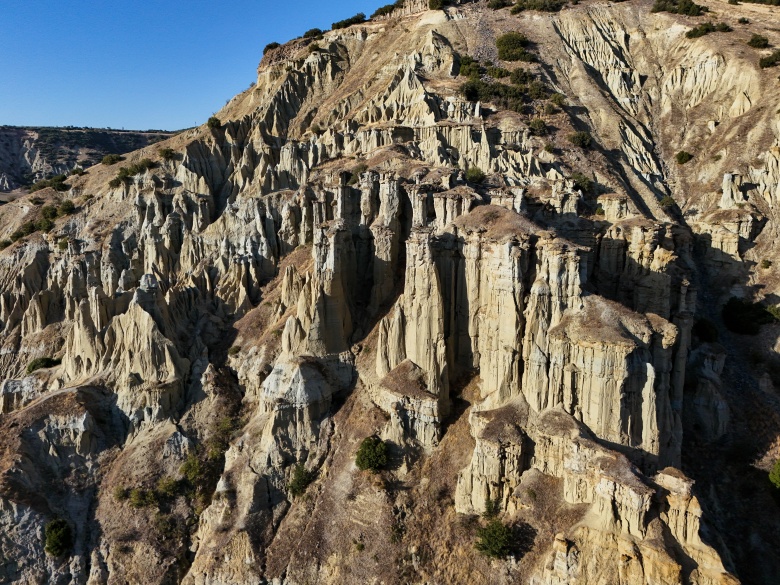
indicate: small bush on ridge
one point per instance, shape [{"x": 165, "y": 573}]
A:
[{"x": 372, "y": 454}]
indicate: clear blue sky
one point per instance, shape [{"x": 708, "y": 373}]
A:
[{"x": 165, "y": 64}]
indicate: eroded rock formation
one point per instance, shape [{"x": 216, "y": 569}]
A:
[{"x": 320, "y": 269}]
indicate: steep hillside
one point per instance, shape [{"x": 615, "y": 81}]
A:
[
  {"x": 28, "y": 155},
  {"x": 491, "y": 252}
]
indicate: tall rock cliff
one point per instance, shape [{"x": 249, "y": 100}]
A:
[{"x": 495, "y": 263}]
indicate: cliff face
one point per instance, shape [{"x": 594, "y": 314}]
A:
[
  {"x": 28, "y": 155},
  {"x": 319, "y": 269}
]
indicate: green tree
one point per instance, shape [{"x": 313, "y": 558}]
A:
[
  {"x": 475, "y": 175},
  {"x": 538, "y": 127},
  {"x": 214, "y": 123},
  {"x": 511, "y": 47},
  {"x": 42, "y": 362},
  {"x": 372, "y": 454},
  {"x": 167, "y": 153},
  {"x": 758, "y": 42},
  {"x": 493, "y": 540},
  {"x": 111, "y": 159},
  {"x": 581, "y": 139},
  {"x": 300, "y": 480},
  {"x": 58, "y": 537},
  {"x": 66, "y": 207},
  {"x": 683, "y": 157}
]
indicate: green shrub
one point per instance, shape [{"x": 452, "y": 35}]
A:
[
  {"x": 583, "y": 182},
  {"x": 214, "y": 123},
  {"x": 774, "y": 475},
  {"x": 168, "y": 526},
  {"x": 770, "y": 61},
  {"x": 744, "y": 317},
  {"x": 57, "y": 182},
  {"x": 4, "y": 244},
  {"x": 115, "y": 182},
  {"x": 372, "y": 454},
  {"x": 167, "y": 488},
  {"x": 387, "y": 9},
  {"x": 521, "y": 77},
  {"x": 538, "y": 127},
  {"x": 511, "y": 47},
  {"x": 469, "y": 67},
  {"x": 540, "y": 5},
  {"x": 271, "y": 47},
  {"x": 44, "y": 224},
  {"x": 474, "y": 175},
  {"x": 498, "y": 4},
  {"x": 537, "y": 90},
  {"x": 62, "y": 244},
  {"x": 49, "y": 211},
  {"x": 192, "y": 469},
  {"x": 491, "y": 509},
  {"x": 435, "y": 4},
  {"x": 76, "y": 171},
  {"x": 667, "y": 202},
  {"x": 357, "y": 19},
  {"x": 686, "y": 7},
  {"x": 701, "y": 30},
  {"x": 141, "y": 498},
  {"x": 723, "y": 27},
  {"x": 509, "y": 97},
  {"x": 493, "y": 540},
  {"x": 758, "y": 42},
  {"x": 66, "y": 207},
  {"x": 42, "y": 362},
  {"x": 121, "y": 494},
  {"x": 558, "y": 99},
  {"x": 358, "y": 170},
  {"x": 683, "y": 157},
  {"x": 234, "y": 350},
  {"x": 167, "y": 153},
  {"x": 498, "y": 72},
  {"x": 743, "y": 20},
  {"x": 766, "y": 264},
  {"x": 581, "y": 139},
  {"x": 300, "y": 480},
  {"x": 58, "y": 538},
  {"x": 313, "y": 33},
  {"x": 112, "y": 159},
  {"x": 599, "y": 210}
]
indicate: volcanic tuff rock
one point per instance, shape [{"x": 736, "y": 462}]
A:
[{"x": 318, "y": 269}]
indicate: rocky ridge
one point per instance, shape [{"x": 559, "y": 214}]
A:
[{"x": 28, "y": 155}]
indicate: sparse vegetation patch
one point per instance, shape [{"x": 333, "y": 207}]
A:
[
  {"x": 686, "y": 7},
  {"x": 357, "y": 19},
  {"x": 372, "y": 454},
  {"x": 42, "y": 362}
]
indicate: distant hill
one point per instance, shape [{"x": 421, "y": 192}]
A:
[{"x": 29, "y": 154}]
